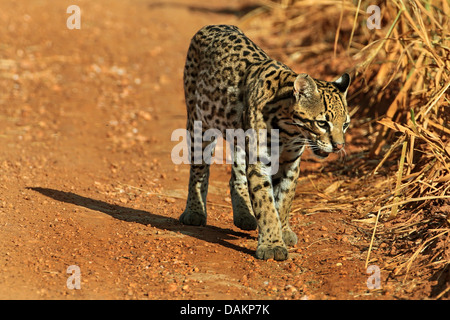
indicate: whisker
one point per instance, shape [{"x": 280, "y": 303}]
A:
[{"x": 342, "y": 155}]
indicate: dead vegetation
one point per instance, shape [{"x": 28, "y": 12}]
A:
[{"x": 401, "y": 105}]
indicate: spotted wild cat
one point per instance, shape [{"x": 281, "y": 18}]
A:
[{"x": 231, "y": 83}]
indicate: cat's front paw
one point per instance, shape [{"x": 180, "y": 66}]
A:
[
  {"x": 193, "y": 218},
  {"x": 289, "y": 237},
  {"x": 245, "y": 222},
  {"x": 265, "y": 252}
]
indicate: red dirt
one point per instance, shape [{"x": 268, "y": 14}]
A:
[{"x": 86, "y": 176}]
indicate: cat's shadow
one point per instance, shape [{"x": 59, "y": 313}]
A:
[{"x": 207, "y": 233}]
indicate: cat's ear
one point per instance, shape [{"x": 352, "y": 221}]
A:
[
  {"x": 304, "y": 85},
  {"x": 342, "y": 83}
]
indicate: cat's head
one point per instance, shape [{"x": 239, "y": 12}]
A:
[{"x": 320, "y": 112}]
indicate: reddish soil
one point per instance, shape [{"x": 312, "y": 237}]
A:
[{"x": 86, "y": 176}]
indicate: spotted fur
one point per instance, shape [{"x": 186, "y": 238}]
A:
[{"x": 231, "y": 83}]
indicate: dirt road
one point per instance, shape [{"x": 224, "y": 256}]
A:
[{"x": 86, "y": 177}]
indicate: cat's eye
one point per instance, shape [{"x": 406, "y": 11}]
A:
[
  {"x": 322, "y": 124},
  {"x": 345, "y": 126}
]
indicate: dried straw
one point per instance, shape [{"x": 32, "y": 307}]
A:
[{"x": 401, "y": 75}]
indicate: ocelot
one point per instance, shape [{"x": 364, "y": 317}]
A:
[{"x": 230, "y": 82}]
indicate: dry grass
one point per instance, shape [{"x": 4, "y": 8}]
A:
[{"x": 401, "y": 80}]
